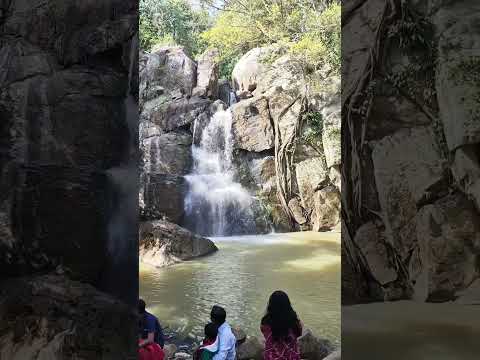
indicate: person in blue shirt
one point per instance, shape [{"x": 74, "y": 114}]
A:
[
  {"x": 150, "y": 330},
  {"x": 226, "y": 339}
]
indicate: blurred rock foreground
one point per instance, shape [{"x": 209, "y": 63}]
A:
[{"x": 68, "y": 99}]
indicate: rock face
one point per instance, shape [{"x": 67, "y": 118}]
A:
[
  {"x": 163, "y": 243},
  {"x": 251, "y": 125},
  {"x": 53, "y": 317},
  {"x": 273, "y": 102},
  {"x": 68, "y": 109},
  {"x": 168, "y": 111},
  {"x": 413, "y": 221},
  {"x": 66, "y": 104},
  {"x": 207, "y": 75}
]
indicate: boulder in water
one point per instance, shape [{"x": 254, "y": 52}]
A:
[{"x": 163, "y": 243}]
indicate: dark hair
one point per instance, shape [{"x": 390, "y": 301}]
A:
[
  {"x": 211, "y": 331},
  {"x": 281, "y": 317},
  {"x": 218, "y": 315},
  {"x": 141, "y": 306}
]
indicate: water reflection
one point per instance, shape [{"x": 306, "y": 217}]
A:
[{"x": 242, "y": 275}]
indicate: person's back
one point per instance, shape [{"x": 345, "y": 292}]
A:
[
  {"x": 226, "y": 338},
  {"x": 281, "y": 327},
  {"x": 155, "y": 324}
]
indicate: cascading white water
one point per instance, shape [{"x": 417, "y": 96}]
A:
[{"x": 215, "y": 204}]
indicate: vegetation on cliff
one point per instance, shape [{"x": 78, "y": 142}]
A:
[{"x": 308, "y": 29}]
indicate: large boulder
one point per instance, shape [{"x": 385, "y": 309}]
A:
[
  {"x": 326, "y": 209},
  {"x": 312, "y": 347},
  {"x": 163, "y": 196},
  {"x": 163, "y": 243},
  {"x": 248, "y": 69},
  {"x": 310, "y": 174},
  {"x": 407, "y": 166},
  {"x": 251, "y": 349},
  {"x": 169, "y": 153},
  {"x": 52, "y": 317},
  {"x": 371, "y": 241},
  {"x": 169, "y": 115},
  {"x": 168, "y": 72},
  {"x": 207, "y": 74},
  {"x": 448, "y": 236},
  {"x": 251, "y": 126}
]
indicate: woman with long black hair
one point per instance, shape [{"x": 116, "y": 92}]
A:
[{"x": 281, "y": 328}]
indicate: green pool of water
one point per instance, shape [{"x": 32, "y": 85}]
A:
[{"x": 242, "y": 275}]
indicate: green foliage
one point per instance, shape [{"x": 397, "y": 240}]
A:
[
  {"x": 172, "y": 22},
  {"x": 413, "y": 35},
  {"x": 310, "y": 32},
  {"x": 313, "y": 131}
]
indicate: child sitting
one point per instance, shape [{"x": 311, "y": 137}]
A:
[{"x": 209, "y": 345}]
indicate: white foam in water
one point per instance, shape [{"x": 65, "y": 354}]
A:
[{"x": 215, "y": 204}]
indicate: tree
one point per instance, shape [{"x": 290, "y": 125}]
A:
[
  {"x": 310, "y": 29},
  {"x": 172, "y": 22}
]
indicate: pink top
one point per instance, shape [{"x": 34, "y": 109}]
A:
[{"x": 286, "y": 349}]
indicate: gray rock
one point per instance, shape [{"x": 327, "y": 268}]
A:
[
  {"x": 248, "y": 69},
  {"x": 336, "y": 355},
  {"x": 164, "y": 196},
  {"x": 252, "y": 348},
  {"x": 240, "y": 335},
  {"x": 326, "y": 210},
  {"x": 406, "y": 164},
  {"x": 297, "y": 211},
  {"x": 313, "y": 348},
  {"x": 251, "y": 126},
  {"x": 371, "y": 241},
  {"x": 53, "y": 317},
  {"x": 310, "y": 173},
  {"x": 169, "y": 350},
  {"x": 169, "y": 153},
  {"x": 207, "y": 74},
  {"x": 466, "y": 170},
  {"x": 224, "y": 91},
  {"x": 470, "y": 295},
  {"x": 175, "y": 113},
  {"x": 169, "y": 69},
  {"x": 163, "y": 243},
  {"x": 448, "y": 236}
]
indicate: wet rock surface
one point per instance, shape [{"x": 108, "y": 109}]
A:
[{"x": 163, "y": 243}]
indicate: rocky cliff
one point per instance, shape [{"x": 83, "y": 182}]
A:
[
  {"x": 293, "y": 175},
  {"x": 411, "y": 137},
  {"x": 68, "y": 93}
]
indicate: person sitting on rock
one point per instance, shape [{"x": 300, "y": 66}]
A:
[
  {"x": 226, "y": 339},
  {"x": 281, "y": 327},
  {"x": 209, "y": 346},
  {"x": 150, "y": 331}
]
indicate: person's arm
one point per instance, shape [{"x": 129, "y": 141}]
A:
[
  {"x": 150, "y": 328},
  {"x": 222, "y": 349},
  {"x": 149, "y": 340}
]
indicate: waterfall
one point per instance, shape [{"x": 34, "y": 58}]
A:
[{"x": 215, "y": 204}]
